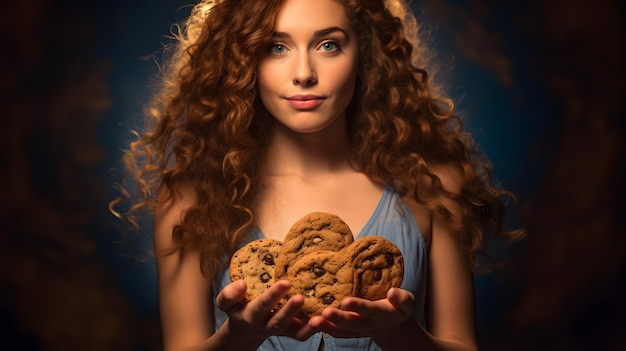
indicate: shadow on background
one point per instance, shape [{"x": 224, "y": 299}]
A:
[{"x": 542, "y": 88}]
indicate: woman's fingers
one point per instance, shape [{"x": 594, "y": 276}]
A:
[
  {"x": 402, "y": 300},
  {"x": 262, "y": 314},
  {"x": 282, "y": 318},
  {"x": 344, "y": 320},
  {"x": 324, "y": 324},
  {"x": 360, "y": 317},
  {"x": 231, "y": 295},
  {"x": 398, "y": 304},
  {"x": 258, "y": 309}
]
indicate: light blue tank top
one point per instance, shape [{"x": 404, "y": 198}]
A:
[{"x": 393, "y": 220}]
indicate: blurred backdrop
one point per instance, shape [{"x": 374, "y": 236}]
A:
[{"x": 538, "y": 83}]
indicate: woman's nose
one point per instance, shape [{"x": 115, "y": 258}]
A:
[{"x": 304, "y": 73}]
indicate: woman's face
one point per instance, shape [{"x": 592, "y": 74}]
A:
[{"x": 306, "y": 77}]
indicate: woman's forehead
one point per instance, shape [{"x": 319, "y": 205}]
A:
[{"x": 311, "y": 15}]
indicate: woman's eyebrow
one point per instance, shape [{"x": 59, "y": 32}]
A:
[
  {"x": 317, "y": 34},
  {"x": 326, "y": 31}
]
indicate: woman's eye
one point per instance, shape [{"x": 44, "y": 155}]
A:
[
  {"x": 330, "y": 46},
  {"x": 278, "y": 49}
]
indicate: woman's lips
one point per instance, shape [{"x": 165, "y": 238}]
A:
[{"x": 305, "y": 102}]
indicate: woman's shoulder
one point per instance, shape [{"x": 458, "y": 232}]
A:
[
  {"x": 451, "y": 180},
  {"x": 170, "y": 207},
  {"x": 174, "y": 199}
]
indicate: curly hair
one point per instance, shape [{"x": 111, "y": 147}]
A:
[
  {"x": 404, "y": 127},
  {"x": 209, "y": 129}
]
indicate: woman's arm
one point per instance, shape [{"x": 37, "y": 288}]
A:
[
  {"x": 184, "y": 294},
  {"x": 450, "y": 310}
]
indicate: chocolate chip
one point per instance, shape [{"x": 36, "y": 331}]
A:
[
  {"x": 327, "y": 299},
  {"x": 378, "y": 275},
  {"x": 389, "y": 258},
  {"x": 318, "y": 271},
  {"x": 265, "y": 277},
  {"x": 268, "y": 259}
]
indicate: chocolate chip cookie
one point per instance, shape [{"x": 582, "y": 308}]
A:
[
  {"x": 254, "y": 263},
  {"x": 378, "y": 266},
  {"x": 323, "y": 278},
  {"x": 314, "y": 232}
]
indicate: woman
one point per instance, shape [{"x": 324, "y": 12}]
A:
[{"x": 270, "y": 110}]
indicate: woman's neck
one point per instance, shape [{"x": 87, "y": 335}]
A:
[{"x": 308, "y": 154}]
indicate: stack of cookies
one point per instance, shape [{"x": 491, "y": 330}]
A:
[{"x": 323, "y": 262}]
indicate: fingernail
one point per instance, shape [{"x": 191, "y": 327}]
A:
[
  {"x": 392, "y": 293},
  {"x": 240, "y": 285}
]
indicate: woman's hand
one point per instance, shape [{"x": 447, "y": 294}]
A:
[
  {"x": 363, "y": 318},
  {"x": 258, "y": 318}
]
